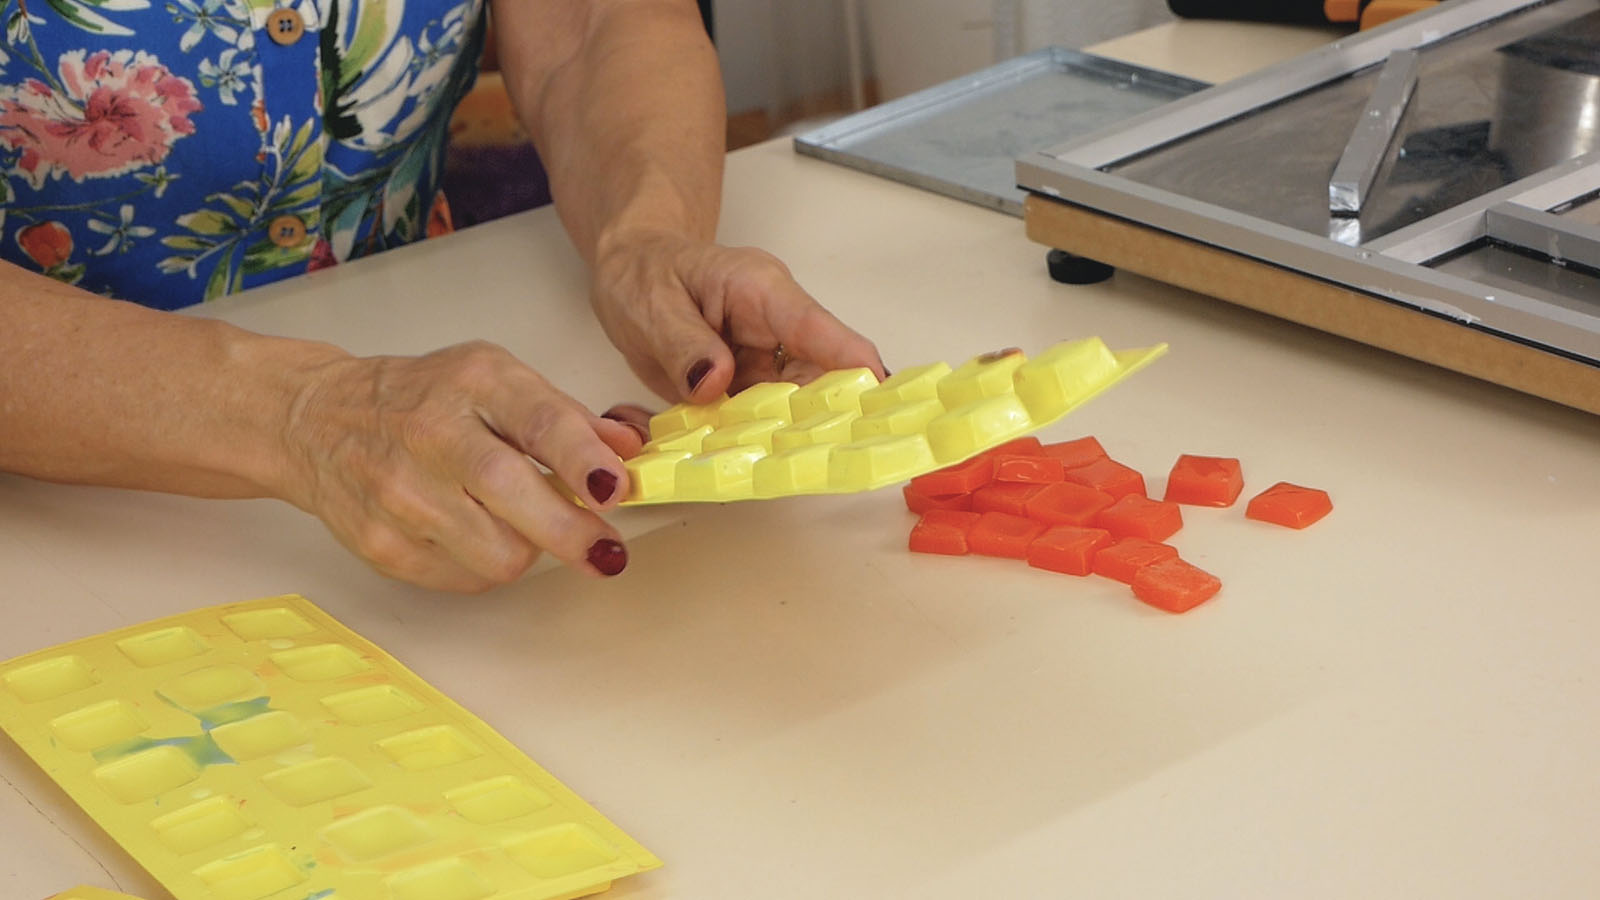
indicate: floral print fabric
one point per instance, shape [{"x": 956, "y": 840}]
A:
[{"x": 169, "y": 151}]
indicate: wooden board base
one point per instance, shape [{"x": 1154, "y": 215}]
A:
[{"x": 1299, "y": 298}]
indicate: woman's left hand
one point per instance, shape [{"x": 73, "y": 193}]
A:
[{"x": 695, "y": 319}]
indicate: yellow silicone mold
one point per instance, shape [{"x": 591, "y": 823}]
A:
[
  {"x": 263, "y": 751},
  {"x": 845, "y": 432},
  {"x": 92, "y": 893}
]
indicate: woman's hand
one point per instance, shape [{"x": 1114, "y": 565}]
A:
[
  {"x": 421, "y": 466},
  {"x": 694, "y": 319}
]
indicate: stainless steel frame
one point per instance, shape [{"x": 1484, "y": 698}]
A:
[
  {"x": 1394, "y": 266},
  {"x": 1374, "y": 132},
  {"x": 1544, "y": 233}
]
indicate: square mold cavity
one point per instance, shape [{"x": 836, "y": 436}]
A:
[
  {"x": 98, "y": 725},
  {"x": 315, "y": 781},
  {"x": 267, "y": 624},
  {"x": 371, "y": 705},
  {"x": 252, "y": 875},
  {"x": 376, "y": 833},
  {"x": 51, "y": 678},
  {"x": 560, "y": 851},
  {"x": 146, "y": 774},
  {"x": 261, "y": 735},
  {"x": 211, "y": 687},
  {"x": 429, "y": 748},
  {"x": 201, "y": 825},
  {"x": 157, "y": 648},
  {"x": 496, "y": 800},
  {"x": 448, "y": 879},
  {"x": 321, "y": 662}
]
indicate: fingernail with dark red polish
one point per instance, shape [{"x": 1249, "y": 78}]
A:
[
  {"x": 698, "y": 373},
  {"x": 602, "y": 484},
  {"x": 608, "y": 556}
]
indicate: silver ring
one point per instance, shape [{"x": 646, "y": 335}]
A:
[{"x": 780, "y": 357}]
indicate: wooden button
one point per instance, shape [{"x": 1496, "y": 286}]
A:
[
  {"x": 285, "y": 26},
  {"x": 287, "y": 231}
]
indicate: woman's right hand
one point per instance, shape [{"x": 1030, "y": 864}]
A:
[{"x": 421, "y": 466}]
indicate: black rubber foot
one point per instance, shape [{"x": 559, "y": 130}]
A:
[{"x": 1069, "y": 269}]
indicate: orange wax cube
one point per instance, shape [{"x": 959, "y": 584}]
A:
[
  {"x": 961, "y": 478},
  {"x": 1076, "y": 453},
  {"x": 1174, "y": 585},
  {"x": 1067, "y": 548},
  {"x": 1205, "y": 481},
  {"x": 1138, "y": 516},
  {"x": 1022, "y": 446},
  {"x": 943, "y": 531},
  {"x": 919, "y": 503},
  {"x": 1006, "y": 497},
  {"x": 1066, "y": 503},
  {"x": 1290, "y": 505},
  {"x": 1002, "y": 534},
  {"x": 1121, "y": 560},
  {"x": 1109, "y": 476},
  {"x": 1029, "y": 469}
]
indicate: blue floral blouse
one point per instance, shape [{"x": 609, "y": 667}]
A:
[{"x": 170, "y": 151}]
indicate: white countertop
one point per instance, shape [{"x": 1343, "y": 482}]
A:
[{"x": 782, "y": 702}]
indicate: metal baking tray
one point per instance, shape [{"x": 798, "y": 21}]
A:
[
  {"x": 962, "y": 138},
  {"x": 1478, "y": 212}
]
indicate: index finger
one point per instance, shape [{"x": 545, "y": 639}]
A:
[
  {"x": 513, "y": 490},
  {"x": 809, "y": 331}
]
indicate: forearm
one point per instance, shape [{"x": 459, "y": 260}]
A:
[
  {"x": 103, "y": 392},
  {"x": 625, "y": 103}
]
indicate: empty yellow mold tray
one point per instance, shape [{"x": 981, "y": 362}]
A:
[
  {"x": 92, "y": 893},
  {"x": 263, "y": 751},
  {"x": 846, "y": 432}
]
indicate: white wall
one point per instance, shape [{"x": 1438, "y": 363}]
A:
[
  {"x": 744, "y": 46},
  {"x": 1078, "y": 23},
  {"x": 777, "y": 51},
  {"x": 918, "y": 43}
]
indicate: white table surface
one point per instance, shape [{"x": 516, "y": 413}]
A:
[{"x": 782, "y": 702}]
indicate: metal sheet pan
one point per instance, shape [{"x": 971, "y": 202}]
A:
[{"x": 962, "y": 138}]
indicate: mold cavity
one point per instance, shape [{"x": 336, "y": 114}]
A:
[
  {"x": 147, "y": 774},
  {"x": 212, "y": 686},
  {"x": 264, "y": 624},
  {"x": 496, "y": 800},
  {"x": 449, "y": 879},
  {"x": 369, "y": 705},
  {"x": 561, "y": 850},
  {"x": 376, "y": 833},
  {"x": 260, "y": 735},
  {"x": 99, "y": 725},
  {"x": 157, "y": 648},
  {"x": 201, "y": 825},
  {"x": 51, "y": 678},
  {"x": 428, "y": 748},
  {"x": 315, "y": 781},
  {"x": 250, "y": 875},
  {"x": 319, "y": 663}
]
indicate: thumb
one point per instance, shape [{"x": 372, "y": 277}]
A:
[{"x": 693, "y": 356}]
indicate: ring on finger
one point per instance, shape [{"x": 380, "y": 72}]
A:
[{"x": 780, "y": 358}]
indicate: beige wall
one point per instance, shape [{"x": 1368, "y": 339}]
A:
[{"x": 776, "y": 53}]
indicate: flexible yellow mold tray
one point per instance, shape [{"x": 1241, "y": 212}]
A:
[
  {"x": 91, "y": 893},
  {"x": 263, "y": 751},
  {"x": 846, "y": 432}
]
